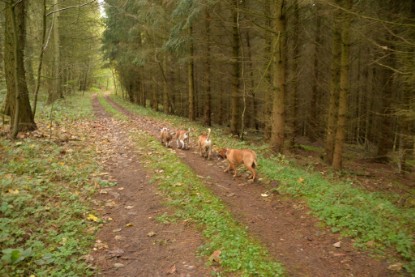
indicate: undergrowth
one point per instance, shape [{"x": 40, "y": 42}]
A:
[
  {"x": 372, "y": 220},
  {"x": 45, "y": 188}
]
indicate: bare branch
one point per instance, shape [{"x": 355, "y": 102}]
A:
[{"x": 71, "y": 7}]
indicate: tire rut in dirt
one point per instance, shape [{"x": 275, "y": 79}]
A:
[
  {"x": 133, "y": 243},
  {"x": 283, "y": 225}
]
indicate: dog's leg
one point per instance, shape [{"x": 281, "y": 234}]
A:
[
  {"x": 253, "y": 172},
  {"x": 227, "y": 169}
]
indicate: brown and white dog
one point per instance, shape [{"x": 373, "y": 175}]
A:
[
  {"x": 237, "y": 157},
  {"x": 182, "y": 139},
  {"x": 166, "y": 136},
  {"x": 204, "y": 144}
]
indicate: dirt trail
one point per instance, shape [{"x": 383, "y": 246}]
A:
[
  {"x": 133, "y": 243},
  {"x": 284, "y": 226}
]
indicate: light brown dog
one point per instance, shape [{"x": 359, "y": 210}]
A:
[
  {"x": 166, "y": 136},
  {"x": 183, "y": 139},
  {"x": 236, "y": 157},
  {"x": 204, "y": 144}
]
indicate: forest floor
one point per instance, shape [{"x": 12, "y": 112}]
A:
[{"x": 134, "y": 243}]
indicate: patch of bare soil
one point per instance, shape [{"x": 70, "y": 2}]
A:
[
  {"x": 133, "y": 242},
  {"x": 284, "y": 226}
]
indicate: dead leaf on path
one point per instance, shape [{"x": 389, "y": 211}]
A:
[
  {"x": 116, "y": 230},
  {"x": 115, "y": 253},
  {"x": 265, "y": 194},
  {"x": 110, "y": 203},
  {"x": 118, "y": 265},
  {"x": 129, "y": 207},
  {"x": 151, "y": 234},
  {"x": 215, "y": 257},
  {"x": 129, "y": 225},
  {"x": 172, "y": 270},
  {"x": 395, "y": 267},
  {"x": 337, "y": 244},
  {"x": 100, "y": 245},
  {"x": 92, "y": 217},
  {"x": 118, "y": 237},
  {"x": 88, "y": 258}
]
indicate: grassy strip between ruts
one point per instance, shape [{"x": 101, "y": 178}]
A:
[
  {"x": 186, "y": 192},
  {"x": 374, "y": 222},
  {"x": 45, "y": 187}
]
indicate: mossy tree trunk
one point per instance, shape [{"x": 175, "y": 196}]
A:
[{"x": 17, "y": 104}]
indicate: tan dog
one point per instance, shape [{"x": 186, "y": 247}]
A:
[
  {"x": 236, "y": 157},
  {"x": 166, "y": 136},
  {"x": 183, "y": 139},
  {"x": 204, "y": 144}
]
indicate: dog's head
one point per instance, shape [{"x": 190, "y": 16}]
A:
[{"x": 222, "y": 153}]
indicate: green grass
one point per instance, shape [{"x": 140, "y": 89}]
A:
[
  {"x": 371, "y": 219},
  {"x": 45, "y": 191},
  {"x": 193, "y": 201},
  {"x": 185, "y": 191}
]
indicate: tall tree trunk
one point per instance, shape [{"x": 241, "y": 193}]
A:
[
  {"x": 236, "y": 73},
  {"x": 267, "y": 70},
  {"x": 55, "y": 91},
  {"x": 208, "y": 103},
  {"x": 343, "y": 91},
  {"x": 278, "y": 76},
  {"x": 17, "y": 99},
  {"x": 42, "y": 51},
  {"x": 313, "y": 116},
  {"x": 191, "y": 80},
  {"x": 254, "y": 103},
  {"x": 333, "y": 94},
  {"x": 166, "y": 90},
  {"x": 292, "y": 95}
]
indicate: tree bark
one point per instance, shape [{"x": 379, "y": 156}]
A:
[
  {"x": 333, "y": 95},
  {"x": 278, "y": 77},
  {"x": 191, "y": 79},
  {"x": 343, "y": 92},
  {"x": 55, "y": 90},
  {"x": 236, "y": 73},
  {"x": 208, "y": 103},
  {"x": 17, "y": 98}
]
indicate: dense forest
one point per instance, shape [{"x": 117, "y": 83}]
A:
[
  {"x": 49, "y": 49},
  {"x": 334, "y": 72}
]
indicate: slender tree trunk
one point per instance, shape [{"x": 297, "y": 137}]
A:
[
  {"x": 313, "y": 122},
  {"x": 334, "y": 94},
  {"x": 278, "y": 77},
  {"x": 208, "y": 103},
  {"x": 166, "y": 90},
  {"x": 55, "y": 91},
  {"x": 236, "y": 73},
  {"x": 42, "y": 51},
  {"x": 253, "y": 103},
  {"x": 343, "y": 92},
  {"x": 267, "y": 70},
  {"x": 17, "y": 104},
  {"x": 292, "y": 95},
  {"x": 191, "y": 80}
]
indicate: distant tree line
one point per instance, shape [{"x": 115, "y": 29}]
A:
[
  {"x": 48, "y": 44},
  {"x": 336, "y": 71}
]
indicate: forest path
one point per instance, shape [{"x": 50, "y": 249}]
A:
[{"x": 284, "y": 226}]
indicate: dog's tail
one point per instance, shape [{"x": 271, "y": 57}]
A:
[
  {"x": 208, "y": 134},
  {"x": 254, "y": 162}
]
